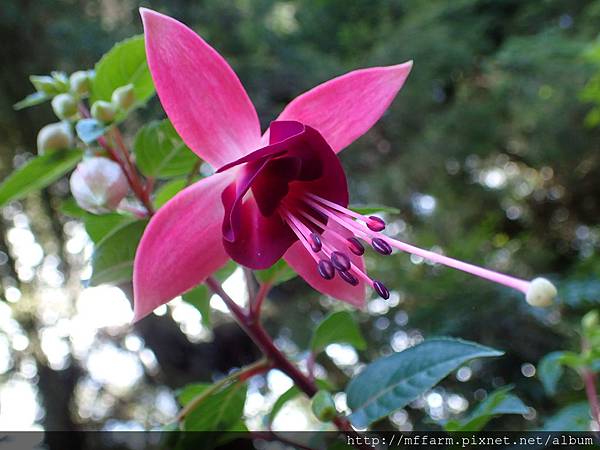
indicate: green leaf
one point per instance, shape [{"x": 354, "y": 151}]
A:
[
  {"x": 31, "y": 100},
  {"x": 199, "y": 297},
  {"x": 288, "y": 395},
  {"x": 100, "y": 226},
  {"x": 394, "y": 381},
  {"x": 38, "y": 173},
  {"x": 278, "y": 273},
  {"x": 338, "y": 327},
  {"x": 220, "y": 411},
  {"x": 575, "y": 417},
  {"x": 549, "y": 371},
  {"x": 373, "y": 209},
  {"x": 89, "y": 130},
  {"x": 112, "y": 261},
  {"x": 125, "y": 63},
  {"x": 168, "y": 190},
  {"x": 160, "y": 152},
  {"x": 497, "y": 403}
]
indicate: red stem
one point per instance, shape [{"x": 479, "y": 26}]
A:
[
  {"x": 253, "y": 328},
  {"x": 590, "y": 389}
]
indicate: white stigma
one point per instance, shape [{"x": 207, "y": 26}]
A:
[{"x": 541, "y": 292}]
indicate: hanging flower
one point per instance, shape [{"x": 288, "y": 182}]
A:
[{"x": 278, "y": 194}]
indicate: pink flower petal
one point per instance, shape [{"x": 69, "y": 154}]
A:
[
  {"x": 303, "y": 263},
  {"x": 345, "y": 108},
  {"x": 199, "y": 91},
  {"x": 181, "y": 246}
]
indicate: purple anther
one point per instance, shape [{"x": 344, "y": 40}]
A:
[
  {"x": 381, "y": 246},
  {"x": 348, "y": 277},
  {"x": 375, "y": 223},
  {"x": 340, "y": 261},
  {"x": 315, "y": 242},
  {"x": 355, "y": 246},
  {"x": 381, "y": 290},
  {"x": 326, "y": 269}
]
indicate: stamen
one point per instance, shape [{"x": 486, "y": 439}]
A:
[
  {"x": 348, "y": 277},
  {"x": 315, "y": 242},
  {"x": 381, "y": 246},
  {"x": 381, "y": 290},
  {"x": 355, "y": 246},
  {"x": 340, "y": 261},
  {"x": 376, "y": 223},
  {"x": 326, "y": 269}
]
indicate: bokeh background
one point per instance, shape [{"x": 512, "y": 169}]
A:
[{"x": 491, "y": 153}]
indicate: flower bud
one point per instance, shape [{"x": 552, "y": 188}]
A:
[
  {"x": 45, "y": 84},
  {"x": 541, "y": 292},
  {"x": 98, "y": 185},
  {"x": 103, "y": 111},
  {"x": 64, "y": 106},
  {"x": 590, "y": 322},
  {"x": 80, "y": 82},
  {"x": 54, "y": 136},
  {"x": 124, "y": 97},
  {"x": 323, "y": 406}
]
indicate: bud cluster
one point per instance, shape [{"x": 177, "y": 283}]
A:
[{"x": 123, "y": 98}]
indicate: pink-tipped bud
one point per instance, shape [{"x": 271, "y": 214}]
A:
[
  {"x": 98, "y": 185},
  {"x": 376, "y": 223},
  {"x": 326, "y": 269},
  {"x": 340, "y": 261},
  {"x": 355, "y": 246}
]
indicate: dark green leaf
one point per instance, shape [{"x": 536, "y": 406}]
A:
[
  {"x": 199, "y": 297},
  {"x": 125, "y": 63},
  {"x": 100, "y": 226},
  {"x": 31, "y": 100},
  {"x": 575, "y": 417},
  {"x": 497, "y": 403},
  {"x": 220, "y": 411},
  {"x": 112, "y": 261},
  {"x": 89, "y": 130},
  {"x": 278, "y": 273},
  {"x": 373, "y": 209},
  {"x": 394, "y": 381},
  {"x": 38, "y": 173},
  {"x": 160, "y": 152},
  {"x": 168, "y": 190},
  {"x": 549, "y": 371},
  {"x": 338, "y": 327}
]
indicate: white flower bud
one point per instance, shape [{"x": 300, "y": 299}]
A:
[
  {"x": 541, "y": 292},
  {"x": 124, "y": 97},
  {"x": 80, "y": 82},
  {"x": 103, "y": 111},
  {"x": 64, "y": 106},
  {"x": 98, "y": 185},
  {"x": 54, "y": 136}
]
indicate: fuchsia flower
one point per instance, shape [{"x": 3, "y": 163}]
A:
[{"x": 278, "y": 194}]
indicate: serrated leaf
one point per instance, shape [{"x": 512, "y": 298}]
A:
[
  {"x": 392, "y": 382},
  {"x": 88, "y": 130},
  {"x": 497, "y": 403},
  {"x": 37, "y": 173},
  {"x": 575, "y": 417},
  {"x": 113, "y": 256},
  {"x": 160, "y": 152},
  {"x": 220, "y": 411},
  {"x": 278, "y": 273},
  {"x": 340, "y": 328},
  {"x": 125, "y": 63},
  {"x": 373, "y": 209},
  {"x": 31, "y": 100},
  {"x": 199, "y": 297}
]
